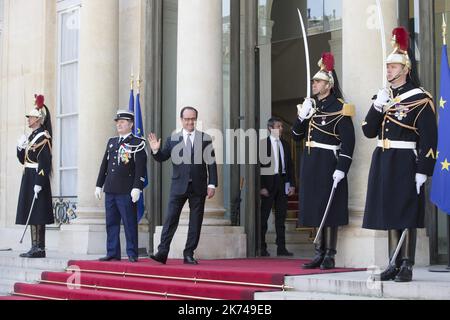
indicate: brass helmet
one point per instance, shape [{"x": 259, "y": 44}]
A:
[
  {"x": 39, "y": 110},
  {"x": 400, "y": 42},
  {"x": 326, "y": 64}
]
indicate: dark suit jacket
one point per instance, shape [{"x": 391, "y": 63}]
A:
[
  {"x": 204, "y": 167},
  {"x": 268, "y": 180}
]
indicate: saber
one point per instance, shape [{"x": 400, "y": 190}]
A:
[
  {"x": 383, "y": 42},
  {"x": 28, "y": 220},
  {"x": 325, "y": 215},
  {"x": 308, "y": 67},
  {"x": 399, "y": 246}
]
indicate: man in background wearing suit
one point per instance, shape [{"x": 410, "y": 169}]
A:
[
  {"x": 277, "y": 184},
  {"x": 194, "y": 179}
]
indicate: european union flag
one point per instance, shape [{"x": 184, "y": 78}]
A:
[
  {"x": 139, "y": 132},
  {"x": 440, "y": 192}
]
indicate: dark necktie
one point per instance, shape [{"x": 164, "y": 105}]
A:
[
  {"x": 280, "y": 160},
  {"x": 190, "y": 148}
]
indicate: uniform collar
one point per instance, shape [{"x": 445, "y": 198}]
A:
[
  {"x": 408, "y": 86},
  {"x": 125, "y": 136},
  {"x": 325, "y": 103},
  {"x": 37, "y": 131}
]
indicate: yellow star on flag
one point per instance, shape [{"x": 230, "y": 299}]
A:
[
  {"x": 442, "y": 103},
  {"x": 445, "y": 165}
]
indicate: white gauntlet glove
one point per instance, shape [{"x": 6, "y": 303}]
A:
[
  {"x": 304, "y": 109},
  {"x": 135, "y": 195},
  {"x": 98, "y": 193},
  {"x": 22, "y": 142},
  {"x": 37, "y": 189},
  {"x": 420, "y": 181},
  {"x": 338, "y": 176},
  {"x": 383, "y": 98}
]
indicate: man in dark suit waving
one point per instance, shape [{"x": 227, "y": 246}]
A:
[{"x": 194, "y": 179}]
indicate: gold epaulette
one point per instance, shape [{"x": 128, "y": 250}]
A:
[{"x": 348, "y": 110}]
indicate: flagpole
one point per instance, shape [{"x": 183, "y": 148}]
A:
[
  {"x": 132, "y": 79},
  {"x": 444, "y": 30},
  {"x": 139, "y": 81}
]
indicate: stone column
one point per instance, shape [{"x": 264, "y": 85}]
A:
[
  {"x": 99, "y": 88},
  {"x": 200, "y": 84},
  {"x": 200, "y": 77},
  {"x": 362, "y": 59}
]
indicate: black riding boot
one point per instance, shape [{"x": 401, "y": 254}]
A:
[
  {"x": 392, "y": 270},
  {"x": 319, "y": 254},
  {"x": 408, "y": 256},
  {"x": 34, "y": 243},
  {"x": 331, "y": 234},
  {"x": 41, "y": 241}
]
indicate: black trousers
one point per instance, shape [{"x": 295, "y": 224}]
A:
[
  {"x": 280, "y": 199},
  {"x": 197, "y": 209}
]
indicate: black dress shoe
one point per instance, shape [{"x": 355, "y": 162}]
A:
[
  {"x": 190, "y": 260},
  {"x": 389, "y": 274},
  {"x": 284, "y": 253},
  {"x": 133, "y": 259},
  {"x": 159, "y": 258},
  {"x": 105, "y": 259},
  {"x": 406, "y": 272},
  {"x": 265, "y": 253}
]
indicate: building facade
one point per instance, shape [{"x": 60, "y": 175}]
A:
[{"x": 238, "y": 62}]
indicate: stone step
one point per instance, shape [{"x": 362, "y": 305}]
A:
[
  {"x": 426, "y": 285},
  {"x": 21, "y": 274},
  {"x": 296, "y": 295},
  {"x": 6, "y": 286}
]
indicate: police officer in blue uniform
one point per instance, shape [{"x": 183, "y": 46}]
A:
[
  {"x": 122, "y": 176},
  {"x": 403, "y": 119},
  {"x": 326, "y": 125}
]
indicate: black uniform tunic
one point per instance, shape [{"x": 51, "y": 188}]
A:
[
  {"x": 39, "y": 153},
  {"x": 120, "y": 172},
  {"x": 328, "y": 126},
  {"x": 392, "y": 199}
]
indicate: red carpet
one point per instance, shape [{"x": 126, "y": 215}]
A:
[{"x": 211, "y": 279}]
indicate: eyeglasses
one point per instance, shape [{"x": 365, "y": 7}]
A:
[{"x": 189, "y": 119}]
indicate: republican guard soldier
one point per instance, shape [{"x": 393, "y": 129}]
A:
[
  {"x": 325, "y": 122},
  {"x": 35, "y": 198},
  {"x": 403, "y": 120},
  {"x": 122, "y": 177}
]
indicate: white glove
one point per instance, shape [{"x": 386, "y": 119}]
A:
[
  {"x": 304, "y": 109},
  {"x": 420, "y": 180},
  {"x": 22, "y": 142},
  {"x": 98, "y": 193},
  {"x": 338, "y": 175},
  {"x": 383, "y": 97},
  {"x": 135, "y": 195},
  {"x": 37, "y": 189}
]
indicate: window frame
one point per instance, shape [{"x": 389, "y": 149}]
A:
[{"x": 64, "y": 7}]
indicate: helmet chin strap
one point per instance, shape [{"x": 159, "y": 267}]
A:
[
  {"x": 397, "y": 76},
  {"x": 32, "y": 124}
]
